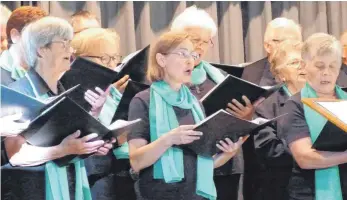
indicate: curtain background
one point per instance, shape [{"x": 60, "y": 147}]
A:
[{"x": 241, "y": 25}]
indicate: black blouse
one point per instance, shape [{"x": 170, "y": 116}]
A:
[
  {"x": 147, "y": 187},
  {"x": 302, "y": 183}
]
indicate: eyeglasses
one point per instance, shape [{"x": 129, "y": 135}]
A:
[
  {"x": 106, "y": 59},
  {"x": 66, "y": 43},
  {"x": 185, "y": 54},
  {"x": 198, "y": 41}
]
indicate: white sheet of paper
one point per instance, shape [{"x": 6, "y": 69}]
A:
[{"x": 339, "y": 109}]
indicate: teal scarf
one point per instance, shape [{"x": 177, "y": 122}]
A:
[
  {"x": 201, "y": 71},
  {"x": 162, "y": 117},
  {"x": 57, "y": 185},
  {"x": 327, "y": 181},
  {"x": 286, "y": 90},
  {"x": 8, "y": 64},
  {"x": 106, "y": 116}
]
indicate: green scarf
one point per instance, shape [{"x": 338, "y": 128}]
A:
[
  {"x": 286, "y": 90},
  {"x": 201, "y": 71},
  {"x": 57, "y": 185},
  {"x": 327, "y": 181},
  {"x": 106, "y": 116},
  {"x": 7, "y": 63},
  {"x": 162, "y": 117}
]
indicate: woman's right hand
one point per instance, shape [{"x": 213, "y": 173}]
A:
[
  {"x": 72, "y": 145},
  {"x": 183, "y": 135},
  {"x": 122, "y": 83}
]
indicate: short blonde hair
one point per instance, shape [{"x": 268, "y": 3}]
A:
[
  {"x": 89, "y": 40},
  {"x": 319, "y": 44},
  {"x": 166, "y": 42},
  {"x": 194, "y": 17},
  {"x": 281, "y": 23},
  {"x": 281, "y": 53},
  {"x": 83, "y": 20}
]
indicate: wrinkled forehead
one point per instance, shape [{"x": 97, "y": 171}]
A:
[{"x": 196, "y": 32}]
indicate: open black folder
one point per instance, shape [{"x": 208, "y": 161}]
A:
[
  {"x": 89, "y": 75},
  {"x": 64, "y": 118},
  {"x": 136, "y": 67},
  {"x": 234, "y": 88},
  {"x": 344, "y": 89},
  {"x": 13, "y": 101},
  {"x": 222, "y": 125},
  {"x": 230, "y": 69},
  {"x": 130, "y": 91}
]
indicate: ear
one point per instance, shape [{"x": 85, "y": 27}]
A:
[
  {"x": 41, "y": 52},
  {"x": 15, "y": 36},
  {"x": 161, "y": 60}
]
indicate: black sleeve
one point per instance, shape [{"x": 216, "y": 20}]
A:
[
  {"x": 139, "y": 109},
  {"x": 270, "y": 149},
  {"x": 294, "y": 125}
]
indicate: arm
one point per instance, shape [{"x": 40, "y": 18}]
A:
[
  {"x": 142, "y": 154},
  {"x": 308, "y": 158},
  {"x": 229, "y": 150},
  {"x": 22, "y": 154}
]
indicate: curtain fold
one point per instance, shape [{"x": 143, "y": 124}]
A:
[{"x": 241, "y": 25}]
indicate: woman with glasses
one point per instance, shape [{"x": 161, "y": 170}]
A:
[
  {"x": 271, "y": 151},
  {"x": 201, "y": 28},
  {"x": 315, "y": 174},
  {"x": 109, "y": 175},
  {"x": 47, "y": 50},
  {"x": 169, "y": 111}
]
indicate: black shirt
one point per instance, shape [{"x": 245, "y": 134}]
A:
[
  {"x": 147, "y": 187},
  {"x": 302, "y": 184}
]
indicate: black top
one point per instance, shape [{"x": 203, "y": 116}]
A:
[
  {"x": 342, "y": 78},
  {"x": 302, "y": 185},
  {"x": 147, "y": 187},
  {"x": 32, "y": 178},
  {"x": 234, "y": 165},
  {"x": 259, "y": 73},
  {"x": 4, "y": 158}
]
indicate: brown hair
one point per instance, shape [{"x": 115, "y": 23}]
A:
[
  {"x": 282, "y": 51},
  {"x": 166, "y": 42},
  {"x": 21, "y": 17},
  {"x": 77, "y": 18}
]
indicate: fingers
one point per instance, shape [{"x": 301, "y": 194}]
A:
[
  {"x": 23, "y": 125},
  {"x": 121, "y": 81},
  {"x": 100, "y": 91},
  {"x": 102, "y": 151},
  {"x": 189, "y": 139},
  {"x": 234, "y": 108},
  {"x": 92, "y": 94},
  {"x": 89, "y": 137},
  {"x": 258, "y": 102},
  {"x": 193, "y": 133},
  {"x": 107, "y": 146},
  {"x": 13, "y": 117},
  {"x": 90, "y": 100},
  {"x": 247, "y": 101},
  {"x": 94, "y": 144},
  {"x": 238, "y": 104},
  {"x": 75, "y": 134},
  {"x": 186, "y": 127},
  {"x": 113, "y": 140}
]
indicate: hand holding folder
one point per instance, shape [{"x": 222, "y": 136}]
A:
[{"x": 333, "y": 137}]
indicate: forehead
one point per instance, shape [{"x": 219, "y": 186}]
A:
[
  {"x": 285, "y": 33},
  {"x": 198, "y": 32},
  {"x": 185, "y": 45}
]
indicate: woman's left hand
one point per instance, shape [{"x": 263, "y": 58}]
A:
[
  {"x": 97, "y": 101},
  {"x": 228, "y": 147},
  {"x": 102, "y": 151},
  {"x": 241, "y": 111}
]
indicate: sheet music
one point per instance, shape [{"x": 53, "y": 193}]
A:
[{"x": 339, "y": 109}]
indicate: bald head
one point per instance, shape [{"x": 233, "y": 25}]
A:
[
  {"x": 343, "y": 41},
  {"x": 279, "y": 30}
]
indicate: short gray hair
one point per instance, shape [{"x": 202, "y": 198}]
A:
[
  {"x": 194, "y": 17},
  {"x": 281, "y": 23},
  {"x": 319, "y": 44},
  {"x": 41, "y": 33}
]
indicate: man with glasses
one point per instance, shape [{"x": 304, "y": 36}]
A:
[
  {"x": 277, "y": 31},
  {"x": 13, "y": 66}
]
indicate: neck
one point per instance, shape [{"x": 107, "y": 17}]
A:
[
  {"x": 330, "y": 95},
  {"x": 173, "y": 84},
  {"x": 15, "y": 53},
  {"x": 48, "y": 77},
  {"x": 295, "y": 88}
]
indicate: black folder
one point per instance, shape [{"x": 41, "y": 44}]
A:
[
  {"x": 344, "y": 89},
  {"x": 331, "y": 138},
  {"x": 234, "y": 88},
  {"x": 12, "y": 101},
  {"x": 62, "y": 119},
  {"x": 136, "y": 67},
  {"x": 230, "y": 69},
  {"x": 222, "y": 125},
  {"x": 130, "y": 91},
  {"x": 89, "y": 75}
]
